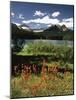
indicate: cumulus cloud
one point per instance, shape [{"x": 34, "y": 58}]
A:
[
  {"x": 12, "y": 14},
  {"x": 39, "y": 13},
  {"x": 21, "y": 16},
  {"x": 55, "y": 14},
  {"x": 45, "y": 20},
  {"x": 68, "y": 22}
]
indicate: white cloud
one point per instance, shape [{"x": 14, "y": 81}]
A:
[
  {"x": 39, "y": 13},
  {"x": 68, "y": 22},
  {"x": 49, "y": 25},
  {"x": 12, "y": 14},
  {"x": 38, "y": 24},
  {"x": 21, "y": 16},
  {"x": 55, "y": 14},
  {"x": 45, "y": 20}
]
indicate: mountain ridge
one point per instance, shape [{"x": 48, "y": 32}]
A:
[{"x": 53, "y": 32}]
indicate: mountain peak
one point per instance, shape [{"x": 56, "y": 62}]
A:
[
  {"x": 25, "y": 27},
  {"x": 57, "y": 28},
  {"x": 64, "y": 28}
]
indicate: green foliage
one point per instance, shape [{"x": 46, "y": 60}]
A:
[
  {"x": 56, "y": 52},
  {"x": 18, "y": 44},
  {"x": 69, "y": 66},
  {"x": 16, "y": 93}
]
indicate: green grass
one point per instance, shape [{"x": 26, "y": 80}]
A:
[
  {"x": 36, "y": 54},
  {"x": 35, "y": 86}
]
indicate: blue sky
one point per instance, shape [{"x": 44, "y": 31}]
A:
[{"x": 39, "y": 16}]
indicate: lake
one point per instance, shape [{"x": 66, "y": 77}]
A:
[{"x": 55, "y": 42}]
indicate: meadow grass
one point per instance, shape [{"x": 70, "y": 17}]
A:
[{"x": 37, "y": 86}]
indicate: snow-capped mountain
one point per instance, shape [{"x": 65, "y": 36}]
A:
[
  {"x": 52, "y": 32},
  {"x": 57, "y": 28},
  {"x": 64, "y": 28},
  {"x": 25, "y": 27},
  {"x": 53, "y": 28}
]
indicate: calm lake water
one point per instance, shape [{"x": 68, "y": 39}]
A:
[{"x": 55, "y": 42}]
